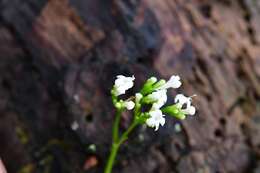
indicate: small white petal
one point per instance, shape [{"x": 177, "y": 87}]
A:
[
  {"x": 156, "y": 127},
  {"x": 191, "y": 110},
  {"x": 159, "y": 97},
  {"x": 150, "y": 122},
  {"x": 180, "y": 100},
  {"x": 156, "y": 119},
  {"x": 119, "y": 91},
  {"x": 174, "y": 81},
  {"x": 129, "y": 105},
  {"x": 162, "y": 121}
]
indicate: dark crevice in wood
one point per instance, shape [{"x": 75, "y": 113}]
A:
[
  {"x": 247, "y": 18},
  {"x": 206, "y": 10},
  {"x": 218, "y": 133},
  {"x": 89, "y": 117}
]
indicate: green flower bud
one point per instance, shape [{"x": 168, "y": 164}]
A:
[
  {"x": 113, "y": 96},
  {"x": 118, "y": 105},
  {"x": 148, "y": 86},
  {"x": 174, "y": 111},
  {"x": 147, "y": 100},
  {"x": 159, "y": 84}
]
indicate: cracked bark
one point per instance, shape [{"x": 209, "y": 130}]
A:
[{"x": 59, "y": 59}]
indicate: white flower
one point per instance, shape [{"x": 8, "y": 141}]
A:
[
  {"x": 122, "y": 84},
  {"x": 129, "y": 105},
  {"x": 181, "y": 100},
  {"x": 156, "y": 119},
  {"x": 173, "y": 82},
  {"x": 159, "y": 97}
]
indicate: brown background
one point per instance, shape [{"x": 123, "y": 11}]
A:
[{"x": 58, "y": 61}]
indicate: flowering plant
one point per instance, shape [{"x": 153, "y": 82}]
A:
[{"x": 153, "y": 93}]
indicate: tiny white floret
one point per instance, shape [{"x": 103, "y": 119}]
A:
[
  {"x": 182, "y": 100},
  {"x": 159, "y": 97},
  {"x": 190, "y": 110},
  {"x": 123, "y": 83},
  {"x": 173, "y": 82},
  {"x": 156, "y": 119}
]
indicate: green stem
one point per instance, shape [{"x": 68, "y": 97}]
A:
[
  {"x": 116, "y": 144},
  {"x": 116, "y": 126},
  {"x": 127, "y": 132},
  {"x": 111, "y": 158}
]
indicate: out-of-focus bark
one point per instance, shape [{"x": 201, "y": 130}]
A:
[{"x": 58, "y": 60}]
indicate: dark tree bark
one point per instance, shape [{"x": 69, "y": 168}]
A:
[{"x": 59, "y": 59}]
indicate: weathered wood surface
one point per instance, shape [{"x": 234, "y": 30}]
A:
[{"x": 59, "y": 59}]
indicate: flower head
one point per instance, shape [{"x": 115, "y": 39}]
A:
[
  {"x": 156, "y": 119},
  {"x": 182, "y": 100},
  {"x": 173, "y": 82},
  {"x": 122, "y": 84}
]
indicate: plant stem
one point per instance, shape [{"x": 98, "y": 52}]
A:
[
  {"x": 111, "y": 158},
  {"x": 117, "y": 142},
  {"x": 127, "y": 132},
  {"x": 116, "y": 126}
]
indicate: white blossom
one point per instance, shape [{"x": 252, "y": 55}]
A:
[
  {"x": 182, "y": 100},
  {"x": 173, "y": 82},
  {"x": 159, "y": 97},
  {"x": 129, "y": 105},
  {"x": 123, "y": 83},
  {"x": 156, "y": 119}
]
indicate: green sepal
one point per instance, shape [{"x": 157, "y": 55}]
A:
[
  {"x": 148, "y": 86},
  {"x": 141, "y": 119},
  {"x": 113, "y": 96},
  {"x": 147, "y": 100},
  {"x": 174, "y": 111},
  {"x": 159, "y": 84}
]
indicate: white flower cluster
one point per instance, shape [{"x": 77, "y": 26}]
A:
[{"x": 154, "y": 93}]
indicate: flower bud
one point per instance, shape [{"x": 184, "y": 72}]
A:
[
  {"x": 174, "y": 111},
  {"x": 148, "y": 86},
  {"x": 159, "y": 84}
]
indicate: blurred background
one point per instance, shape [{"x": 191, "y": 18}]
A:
[{"x": 59, "y": 59}]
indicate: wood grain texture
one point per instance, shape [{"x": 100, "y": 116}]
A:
[{"x": 58, "y": 60}]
